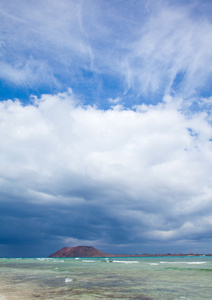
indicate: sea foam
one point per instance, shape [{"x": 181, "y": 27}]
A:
[
  {"x": 67, "y": 280},
  {"x": 183, "y": 262},
  {"x": 196, "y": 262},
  {"x": 90, "y": 261},
  {"x": 126, "y": 261}
]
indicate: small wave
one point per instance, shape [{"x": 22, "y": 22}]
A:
[
  {"x": 44, "y": 259},
  {"x": 68, "y": 280},
  {"x": 154, "y": 264},
  {"x": 90, "y": 261},
  {"x": 126, "y": 261},
  {"x": 183, "y": 262},
  {"x": 172, "y": 262},
  {"x": 196, "y": 262},
  {"x": 58, "y": 261}
]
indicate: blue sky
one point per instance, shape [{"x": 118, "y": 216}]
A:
[{"x": 105, "y": 126}]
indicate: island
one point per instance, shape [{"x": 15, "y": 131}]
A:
[{"x": 89, "y": 251}]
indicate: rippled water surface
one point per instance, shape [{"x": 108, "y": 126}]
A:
[{"x": 106, "y": 278}]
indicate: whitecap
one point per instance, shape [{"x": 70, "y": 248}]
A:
[
  {"x": 90, "y": 261},
  {"x": 172, "y": 262},
  {"x": 58, "y": 261},
  {"x": 196, "y": 262},
  {"x": 44, "y": 259},
  {"x": 126, "y": 261},
  {"x": 153, "y": 264},
  {"x": 183, "y": 262},
  {"x": 68, "y": 280}
]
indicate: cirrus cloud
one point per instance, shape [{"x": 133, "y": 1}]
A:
[{"x": 160, "y": 49}]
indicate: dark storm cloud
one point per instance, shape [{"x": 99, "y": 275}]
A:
[{"x": 47, "y": 226}]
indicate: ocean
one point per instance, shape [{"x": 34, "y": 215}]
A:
[{"x": 145, "y": 278}]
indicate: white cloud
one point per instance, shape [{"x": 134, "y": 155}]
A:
[{"x": 137, "y": 166}]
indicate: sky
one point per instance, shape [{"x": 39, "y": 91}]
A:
[{"x": 105, "y": 126}]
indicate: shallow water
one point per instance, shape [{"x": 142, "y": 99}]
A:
[{"x": 165, "y": 278}]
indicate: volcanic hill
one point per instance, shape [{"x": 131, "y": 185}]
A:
[{"x": 79, "y": 251}]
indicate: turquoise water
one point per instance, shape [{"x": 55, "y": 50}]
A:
[{"x": 165, "y": 278}]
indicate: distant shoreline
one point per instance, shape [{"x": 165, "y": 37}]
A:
[
  {"x": 134, "y": 255},
  {"x": 89, "y": 251},
  {"x": 157, "y": 255},
  {"x": 114, "y": 256}
]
